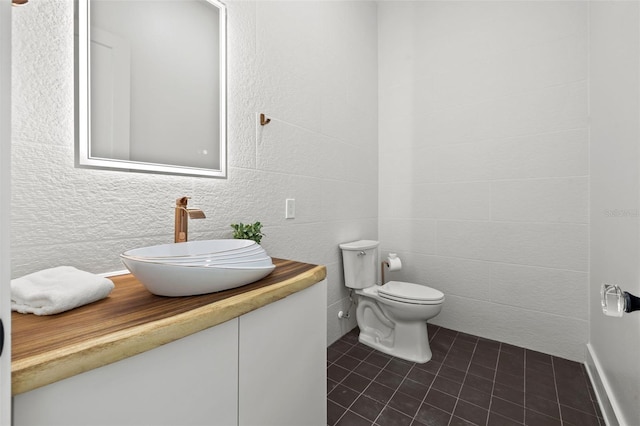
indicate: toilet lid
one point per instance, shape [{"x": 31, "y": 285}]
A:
[{"x": 412, "y": 293}]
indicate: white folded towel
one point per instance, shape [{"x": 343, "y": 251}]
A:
[{"x": 56, "y": 290}]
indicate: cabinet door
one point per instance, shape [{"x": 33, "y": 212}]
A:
[
  {"x": 192, "y": 381},
  {"x": 282, "y": 368}
]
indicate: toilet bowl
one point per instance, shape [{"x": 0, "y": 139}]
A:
[{"x": 392, "y": 317}]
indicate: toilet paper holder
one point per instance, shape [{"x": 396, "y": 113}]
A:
[
  {"x": 616, "y": 302},
  {"x": 392, "y": 262}
]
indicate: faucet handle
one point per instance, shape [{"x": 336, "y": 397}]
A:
[{"x": 182, "y": 201}]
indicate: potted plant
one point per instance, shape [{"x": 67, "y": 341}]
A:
[{"x": 251, "y": 231}]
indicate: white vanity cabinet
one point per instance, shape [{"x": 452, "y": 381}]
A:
[
  {"x": 266, "y": 367},
  {"x": 283, "y": 361},
  {"x": 191, "y": 381}
]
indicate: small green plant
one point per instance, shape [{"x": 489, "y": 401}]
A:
[{"x": 248, "y": 232}]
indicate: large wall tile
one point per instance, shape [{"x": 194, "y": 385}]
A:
[
  {"x": 554, "y": 291},
  {"x": 563, "y": 246},
  {"x": 541, "y": 200},
  {"x": 553, "y": 334},
  {"x": 555, "y": 154},
  {"x": 484, "y": 130}
]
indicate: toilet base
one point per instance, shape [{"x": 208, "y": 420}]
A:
[{"x": 408, "y": 341}]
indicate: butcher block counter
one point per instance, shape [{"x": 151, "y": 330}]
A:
[{"x": 47, "y": 349}]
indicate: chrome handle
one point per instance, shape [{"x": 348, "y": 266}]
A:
[
  {"x": 362, "y": 253},
  {"x": 616, "y": 302}
]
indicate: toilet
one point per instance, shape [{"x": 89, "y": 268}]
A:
[{"x": 392, "y": 317}]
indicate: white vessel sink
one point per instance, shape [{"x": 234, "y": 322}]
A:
[
  {"x": 192, "y": 268},
  {"x": 222, "y": 247}
]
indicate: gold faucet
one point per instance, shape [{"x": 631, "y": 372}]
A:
[{"x": 182, "y": 217}]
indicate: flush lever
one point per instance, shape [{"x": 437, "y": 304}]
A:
[
  {"x": 616, "y": 302},
  {"x": 362, "y": 253}
]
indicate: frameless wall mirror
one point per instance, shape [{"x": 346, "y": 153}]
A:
[{"x": 151, "y": 92}]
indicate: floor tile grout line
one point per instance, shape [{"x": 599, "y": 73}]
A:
[
  {"x": 555, "y": 384},
  {"x": 340, "y": 382},
  {"x": 414, "y": 419},
  {"x": 435, "y": 376},
  {"x": 493, "y": 384},
  {"x": 361, "y": 393},
  {"x": 524, "y": 388},
  {"x": 392, "y": 395},
  {"x": 464, "y": 379},
  {"x": 347, "y": 346}
]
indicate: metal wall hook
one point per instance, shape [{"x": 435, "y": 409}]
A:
[{"x": 264, "y": 120}]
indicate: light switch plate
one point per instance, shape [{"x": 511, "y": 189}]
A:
[{"x": 290, "y": 208}]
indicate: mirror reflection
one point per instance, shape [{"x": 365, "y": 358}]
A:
[{"x": 155, "y": 92}]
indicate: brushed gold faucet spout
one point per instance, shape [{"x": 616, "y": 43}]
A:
[{"x": 183, "y": 213}]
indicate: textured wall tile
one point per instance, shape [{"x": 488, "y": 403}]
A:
[
  {"x": 413, "y": 235},
  {"x": 477, "y": 110},
  {"x": 337, "y": 327},
  {"x": 462, "y": 162},
  {"x": 290, "y": 54},
  {"x": 541, "y": 200},
  {"x": 471, "y": 240},
  {"x": 452, "y": 276},
  {"x": 552, "y": 334},
  {"x": 553, "y": 291},
  {"x": 241, "y": 84},
  {"x": 282, "y": 61},
  {"x": 286, "y": 148},
  {"x": 461, "y": 277},
  {"x": 456, "y": 201},
  {"x": 49, "y": 72},
  {"x": 546, "y": 155},
  {"x": 395, "y": 201},
  {"x": 397, "y": 167},
  {"x": 336, "y": 290},
  {"x": 563, "y": 246},
  {"x": 347, "y": 200}
]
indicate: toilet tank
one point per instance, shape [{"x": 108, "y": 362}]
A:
[{"x": 360, "y": 259}]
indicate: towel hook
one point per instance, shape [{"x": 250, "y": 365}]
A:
[{"x": 264, "y": 120}]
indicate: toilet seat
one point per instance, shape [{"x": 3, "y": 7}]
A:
[{"x": 410, "y": 293}]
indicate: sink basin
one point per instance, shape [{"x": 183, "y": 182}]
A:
[
  {"x": 164, "y": 272},
  {"x": 221, "y": 247}
]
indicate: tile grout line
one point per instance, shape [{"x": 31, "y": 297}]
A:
[
  {"x": 524, "y": 389},
  {"x": 348, "y": 346},
  {"x": 340, "y": 382},
  {"x": 414, "y": 419},
  {"x": 367, "y": 387},
  {"x": 463, "y": 380},
  {"x": 555, "y": 384},
  {"x": 493, "y": 384},
  {"x": 394, "y": 393}
]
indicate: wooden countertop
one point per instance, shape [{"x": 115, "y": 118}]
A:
[{"x": 46, "y": 349}]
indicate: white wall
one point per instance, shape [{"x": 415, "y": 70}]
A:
[
  {"x": 484, "y": 164},
  {"x": 615, "y": 201},
  {"x": 310, "y": 66}
]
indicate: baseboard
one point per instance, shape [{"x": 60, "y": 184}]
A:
[{"x": 608, "y": 404}]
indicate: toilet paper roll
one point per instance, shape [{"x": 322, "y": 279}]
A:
[{"x": 395, "y": 264}]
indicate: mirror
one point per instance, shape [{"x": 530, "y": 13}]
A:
[{"x": 151, "y": 86}]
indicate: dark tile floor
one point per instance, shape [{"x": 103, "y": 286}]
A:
[{"x": 469, "y": 381}]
